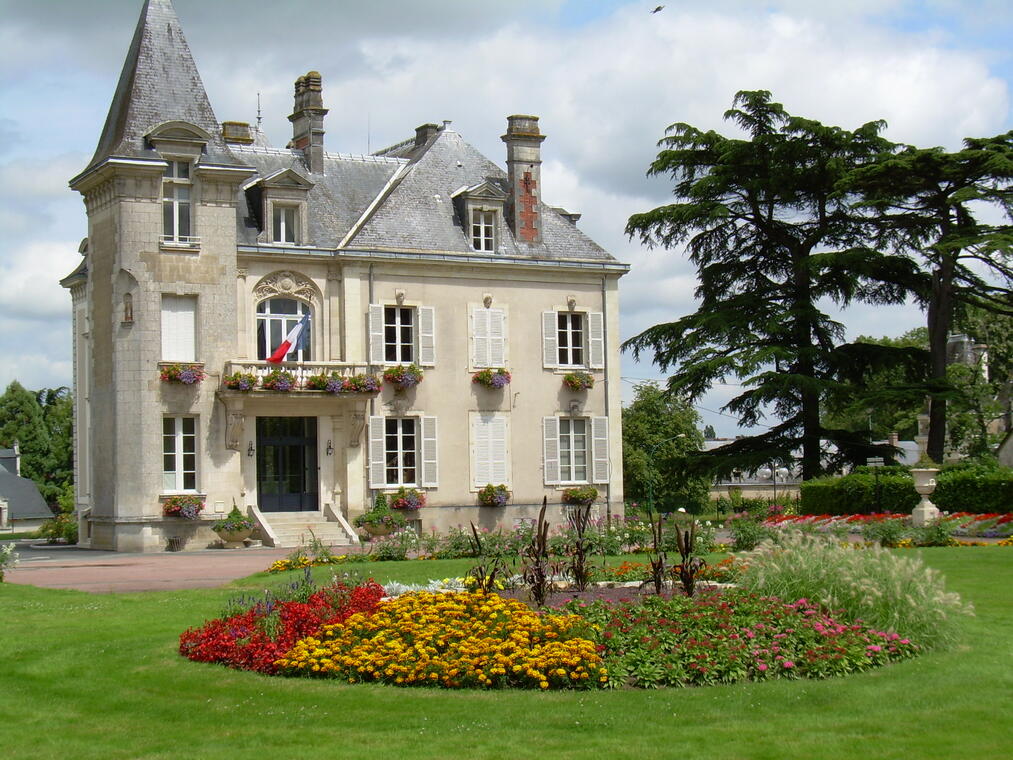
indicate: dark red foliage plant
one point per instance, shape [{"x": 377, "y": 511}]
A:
[{"x": 255, "y": 638}]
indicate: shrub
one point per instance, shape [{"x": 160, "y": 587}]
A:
[
  {"x": 453, "y": 640},
  {"x": 8, "y": 559},
  {"x": 886, "y": 532},
  {"x": 747, "y": 532},
  {"x": 890, "y": 592},
  {"x": 62, "y": 527}
]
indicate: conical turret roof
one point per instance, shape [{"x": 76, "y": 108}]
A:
[{"x": 159, "y": 83}]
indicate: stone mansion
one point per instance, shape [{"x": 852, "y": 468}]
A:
[{"x": 206, "y": 246}]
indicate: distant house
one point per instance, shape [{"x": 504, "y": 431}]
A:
[
  {"x": 21, "y": 505},
  {"x": 206, "y": 247}
]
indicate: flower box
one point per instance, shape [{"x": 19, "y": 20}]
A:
[
  {"x": 578, "y": 381},
  {"x": 494, "y": 496},
  {"x": 582, "y": 496},
  {"x": 402, "y": 377},
  {"x": 186, "y": 507},
  {"x": 185, "y": 374},
  {"x": 278, "y": 380},
  {"x": 492, "y": 378},
  {"x": 240, "y": 381},
  {"x": 408, "y": 498},
  {"x": 335, "y": 383}
]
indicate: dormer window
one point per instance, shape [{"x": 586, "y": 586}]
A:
[
  {"x": 479, "y": 209},
  {"x": 280, "y": 204},
  {"x": 285, "y": 224},
  {"x": 176, "y": 217},
  {"x": 483, "y": 229}
]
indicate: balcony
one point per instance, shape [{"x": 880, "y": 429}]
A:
[{"x": 299, "y": 370}]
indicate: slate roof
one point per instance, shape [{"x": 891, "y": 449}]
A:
[
  {"x": 23, "y": 497},
  {"x": 338, "y": 198},
  {"x": 9, "y": 460},
  {"x": 159, "y": 83},
  {"x": 418, "y": 213}
]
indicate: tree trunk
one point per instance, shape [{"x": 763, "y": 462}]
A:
[{"x": 940, "y": 320}]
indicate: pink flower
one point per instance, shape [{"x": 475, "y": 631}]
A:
[
  {"x": 761, "y": 667},
  {"x": 874, "y": 648},
  {"x": 787, "y": 664}
]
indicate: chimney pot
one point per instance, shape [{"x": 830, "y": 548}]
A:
[
  {"x": 308, "y": 120},
  {"x": 237, "y": 132}
]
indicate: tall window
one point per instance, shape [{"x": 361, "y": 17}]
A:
[
  {"x": 179, "y": 454},
  {"x": 570, "y": 337},
  {"x": 400, "y": 451},
  {"x": 483, "y": 230},
  {"x": 285, "y": 224},
  {"x": 399, "y": 334},
  {"x": 176, "y": 186},
  {"x": 572, "y": 450},
  {"x": 275, "y": 318}
]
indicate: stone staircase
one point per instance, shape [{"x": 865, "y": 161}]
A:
[{"x": 293, "y": 529}]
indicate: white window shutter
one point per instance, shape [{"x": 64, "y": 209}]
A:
[
  {"x": 550, "y": 441},
  {"x": 376, "y": 352},
  {"x": 480, "y": 337},
  {"x": 497, "y": 337},
  {"x": 596, "y": 339},
  {"x": 498, "y": 471},
  {"x": 179, "y": 325},
  {"x": 600, "y": 449},
  {"x": 377, "y": 454},
  {"x": 480, "y": 474},
  {"x": 550, "y": 340},
  {"x": 430, "y": 466},
  {"x": 427, "y": 336}
]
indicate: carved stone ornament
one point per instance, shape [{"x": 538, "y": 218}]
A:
[
  {"x": 358, "y": 421},
  {"x": 234, "y": 430},
  {"x": 571, "y": 302},
  {"x": 487, "y": 299},
  {"x": 287, "y": 285}
]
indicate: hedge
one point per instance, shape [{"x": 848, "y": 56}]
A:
[{"x": 958, "y": 489}]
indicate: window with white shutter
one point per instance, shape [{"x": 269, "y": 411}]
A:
[
  {"x": 596, "y": 339},
  {"x": 488, "y": 330},
  {"x": 600, "y": 449},
  {"x": 490, "y": 462},
  {"x": 550, "y": 448},
  {"x": 377, "y": 453},
  {"x": 402, "y": 335},
  {"x": 430, "y": 465},
  {"x": 179, "y": 328},
  {"x": 550, "y": 350}
]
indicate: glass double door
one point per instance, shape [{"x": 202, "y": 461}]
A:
[{"x": 287, "y": 475}]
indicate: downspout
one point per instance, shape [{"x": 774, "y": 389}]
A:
[
  {"x": 605, "y": 342},
  {"x": 372, "y": 399}
]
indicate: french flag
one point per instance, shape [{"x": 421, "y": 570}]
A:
[{"x": 296, "y": 337}]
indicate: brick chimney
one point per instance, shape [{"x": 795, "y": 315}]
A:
[
  {"x": 424, "y": 132},
  {"x": 308, "y": 120},
  {"x": 524, "y": 167}
]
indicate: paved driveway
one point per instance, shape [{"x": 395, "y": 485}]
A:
[{"x": 104, "y": 572}]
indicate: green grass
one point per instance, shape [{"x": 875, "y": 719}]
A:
[{"x": 97, "y": 676}]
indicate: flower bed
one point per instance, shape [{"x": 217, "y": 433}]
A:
[
  {"x": 453, "y": 640},
  {"x": 724, "y": 637},
  {"x": 254, "y": 638}
]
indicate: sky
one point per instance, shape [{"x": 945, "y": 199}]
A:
[{"x": 605, "y": 76}]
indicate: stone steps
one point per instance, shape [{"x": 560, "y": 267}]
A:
[{"x": 294, "y": 529}]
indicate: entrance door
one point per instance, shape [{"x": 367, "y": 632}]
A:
[{"x": 287, "y": 464}]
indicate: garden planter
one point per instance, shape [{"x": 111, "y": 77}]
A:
[
  {"x": 925, "y": 484},
  {"x": 233, "y": 539},
  {"x": 379, "y": 530}
]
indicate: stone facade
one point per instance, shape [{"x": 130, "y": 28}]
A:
[{"x": 356, "y": 241}]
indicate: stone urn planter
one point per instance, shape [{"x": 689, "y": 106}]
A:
[
  {"x": 379, "y": 530},
  {"x": 925, "y": 484},
  {"x": 233, "y": 539}
]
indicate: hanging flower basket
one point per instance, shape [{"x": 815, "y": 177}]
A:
[
  {"x": 403, "y": 377},
  {"x": 278, "y": 380},
  {"x": 492, "y": 378},
  {"x": 240, "y": 381},
  {"x": 578, "y": 381},
  {"x": 494, "y": 496},
  {"x": 187, "y": 374},
  {"x": 408, "y": 498},
  {"x": 186, "y": 507}
]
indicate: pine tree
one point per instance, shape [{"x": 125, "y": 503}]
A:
[{"x": 772, "y": 240}]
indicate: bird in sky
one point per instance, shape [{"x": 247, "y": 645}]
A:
[{"x": 659, "y": 8}]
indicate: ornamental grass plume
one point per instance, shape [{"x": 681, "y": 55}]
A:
[{"x": 883, "y": 589}]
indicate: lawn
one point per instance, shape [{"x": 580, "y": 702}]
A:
[{"x": 97, "y": 676}]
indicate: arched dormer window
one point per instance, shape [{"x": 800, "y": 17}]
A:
[
  {"x": 180, "y": 144},
  {"x": 275, "y": 318}
]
